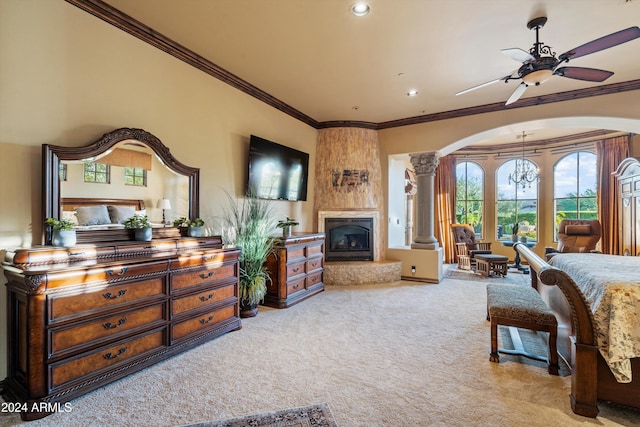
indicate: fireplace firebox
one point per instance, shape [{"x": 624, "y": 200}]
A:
[{"x": 349, "y": 239}]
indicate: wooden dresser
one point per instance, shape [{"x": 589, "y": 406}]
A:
[
  {"x": 296, "y": 269},
  {"x": 82, "y": 317}
]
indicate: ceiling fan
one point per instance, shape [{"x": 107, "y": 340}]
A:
[{"x": 540, "y": 63}]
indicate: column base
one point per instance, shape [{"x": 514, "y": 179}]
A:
[{"x": 428, "y": 246}]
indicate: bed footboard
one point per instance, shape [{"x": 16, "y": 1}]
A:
[{"x": 577, "y": 343}]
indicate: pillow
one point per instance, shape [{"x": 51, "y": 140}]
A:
[
  {"x": 577, "y": 229},
  {"x": 119, "y": 213},
  {"x": 93, "y": 215},
  {"x": 70, "y": 216}
]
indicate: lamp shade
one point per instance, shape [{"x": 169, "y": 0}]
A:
[{"x": 163, "y": 204}]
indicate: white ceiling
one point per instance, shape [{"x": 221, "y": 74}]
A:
[{"x": 318, "y": 58}]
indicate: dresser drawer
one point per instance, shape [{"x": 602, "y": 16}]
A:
[
  {"x": 89, "y": 332},
  {"x": 79, "y": 303},
  {"x": 102, "y": 358},
  {"x": 314, "y": 264},
  {"x": 313, "y": 250},
  {"x": 295, "y": 269},
  {"x": 295, "y": 252},
  {"x": 202, "y": 322},
  {"x": 313, "y": 279},
  {"x": 215, "y": 257},
  {"x": 108, "y": 274},
  {"x": 295, "y": 286},
  {"x": 202, "y": 299},
  {"x": 193, "y": 244},
  {"x": 209, "y": 274}
]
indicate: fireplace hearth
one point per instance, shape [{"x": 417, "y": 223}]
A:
[{"x": 349, "y": 239}]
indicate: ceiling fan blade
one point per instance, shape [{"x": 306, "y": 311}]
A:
[
  {"x": 580, "y": 73},
  {"x": 602, "y": 43},
  {"x": 484, "y": 84},
  {"x": 517, "y": 93},
  {"x": 518, "y": 55}
]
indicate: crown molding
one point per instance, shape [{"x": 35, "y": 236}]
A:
[{"x": 115, "y": 17}]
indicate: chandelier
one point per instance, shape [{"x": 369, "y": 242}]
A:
[{"x": 524, "y": 173}]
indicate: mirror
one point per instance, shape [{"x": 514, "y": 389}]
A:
[{"x": 142, "y": 172}]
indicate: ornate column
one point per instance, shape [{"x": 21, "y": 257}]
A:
[{"x": 425, "y": 165}]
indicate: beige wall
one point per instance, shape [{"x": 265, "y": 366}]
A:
[{"x": 66, "y": 78}]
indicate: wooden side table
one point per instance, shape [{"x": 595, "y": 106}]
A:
[{"x": 491, "y": 264}]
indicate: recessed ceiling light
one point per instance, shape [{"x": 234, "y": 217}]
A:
[
  {"x": 360, "y": 9},
  {"x": 412, "y": 92}
]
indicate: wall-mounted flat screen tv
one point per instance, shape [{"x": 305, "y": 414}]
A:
[{"x": 277, "y": 172}]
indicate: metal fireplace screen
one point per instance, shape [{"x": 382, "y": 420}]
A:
[{"x": 349, "y": 239}]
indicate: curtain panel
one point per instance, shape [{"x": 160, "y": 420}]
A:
[
  {"x": 610, "y": 153},
  {"x": 445, "y": 201}
]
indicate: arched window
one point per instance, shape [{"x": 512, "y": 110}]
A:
[
  {"x": 574, "y": 187},
  {"x": 469, "y": 195},
  {"x": 517, "y": 203}
]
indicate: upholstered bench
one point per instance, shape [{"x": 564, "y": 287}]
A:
[
  {"x": 520, "y": 306},
  {"x": 491, "y": 264}
]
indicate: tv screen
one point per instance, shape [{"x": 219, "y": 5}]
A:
[{"x": 277, "y": 172}]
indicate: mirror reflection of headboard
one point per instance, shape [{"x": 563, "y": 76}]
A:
[{"x": 53, "y": 156}]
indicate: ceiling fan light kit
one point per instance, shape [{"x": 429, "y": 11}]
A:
[{"x": 541, "y": 63}]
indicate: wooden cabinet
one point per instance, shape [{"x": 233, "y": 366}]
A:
[
  {"x": 296, "y": 269},
  {"x": 628, "y": 175},
  {"x": 82, "y": 317}
]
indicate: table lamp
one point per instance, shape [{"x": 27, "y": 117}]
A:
[{"x": 163, "y": 204}]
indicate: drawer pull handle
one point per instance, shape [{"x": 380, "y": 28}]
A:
[
  {"x": 205, "y": 321},
  {"x": 75, "y": 253},
  {"x": 206, "y": 276},
  {"x": 208, "y": 298},
  {"x": 111, "y": 356},
  {"x": 150, "y": 247},
  {"x": 109, "y": 295},
  {"x": 110, "y": 325},
  {"x": 295, "y": 270},
  {"x": 296, "y": 286},
  {"x": 113, "y": 273}
]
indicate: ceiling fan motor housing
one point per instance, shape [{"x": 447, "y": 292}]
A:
[{"x": 536, "y": 72}]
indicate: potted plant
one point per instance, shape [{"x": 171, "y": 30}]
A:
[
  {"x": 141, "y": 226},
  {"x": 286, "y": 226},
  {"x": 514, "y": 232},
  {"x": 195, "y": 227},
  {"x": 248, "y": 225},
  {"x": 63, "y": 232}
]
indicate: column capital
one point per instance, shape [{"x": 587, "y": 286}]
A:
[{"x": 425, "y": 163}]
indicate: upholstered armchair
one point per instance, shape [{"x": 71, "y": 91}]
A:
[
  {"x": 576, "y": 235},
  {"x": 467, "y": 247}
]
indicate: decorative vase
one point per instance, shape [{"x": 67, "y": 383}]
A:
[
  {"x": 286, "y": 231},
  {"x": 248, "y": 310},
  {"x": 143, "y": 234},
  {"x": 514, "y": 238},
  {"x": 523, "y": 239},
  {"x": 66, "y": 238},
  {"x": 195, "y": 231}
]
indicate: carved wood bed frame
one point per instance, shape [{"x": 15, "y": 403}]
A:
[
  {"x": 591, "y": 378},
  {"x": 71, "y": 203}
]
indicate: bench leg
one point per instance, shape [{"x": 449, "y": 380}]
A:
[
  {"x": 493, "y": 356},
  {"x": 553, "y": 352}
]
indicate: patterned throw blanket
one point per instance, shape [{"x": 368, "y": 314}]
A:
[{"x": 611, "y": 285}]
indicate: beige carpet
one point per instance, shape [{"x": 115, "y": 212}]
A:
[{"x": 401, "y": 354}]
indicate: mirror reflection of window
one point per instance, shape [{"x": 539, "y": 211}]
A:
[
  {"x": 135, "y": 176},
  {"x": 62, "y": 171},
  {"x": 96, "y": 172}
]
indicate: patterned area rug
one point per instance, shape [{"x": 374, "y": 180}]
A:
[{"x": 306, "y": 416}]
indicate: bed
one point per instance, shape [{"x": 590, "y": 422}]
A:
[
  {"x": 596, "y": 299},
  {"x": 100, "y": 218}
]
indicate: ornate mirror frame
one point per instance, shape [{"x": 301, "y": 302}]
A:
[{"x": 52, "y": 155}]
